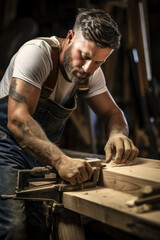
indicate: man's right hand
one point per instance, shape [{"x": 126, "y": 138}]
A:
[{"x": 73, "y": 170}]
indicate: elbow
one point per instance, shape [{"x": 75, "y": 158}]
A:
[
  {"x": 10, "y": 126},
  {"x": 14, "y": 125}
]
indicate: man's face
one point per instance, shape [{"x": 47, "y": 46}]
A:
[{"x": 82, "y": 58}]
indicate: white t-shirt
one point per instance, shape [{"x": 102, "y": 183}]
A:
[{"x": 33, "y": 63}]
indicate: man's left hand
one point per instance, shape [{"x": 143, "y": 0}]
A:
[{"x": 122, "y": 148}]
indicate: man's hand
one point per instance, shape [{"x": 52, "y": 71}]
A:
[
  {"x": 74, "y": 170},
  {"x": 122, "y": 148}
]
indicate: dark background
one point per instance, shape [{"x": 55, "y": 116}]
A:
[{"x": 23, "y": 20}]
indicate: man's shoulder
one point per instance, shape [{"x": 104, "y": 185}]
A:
[
  {"x": 43, "y": 42},
  {"x": 37, "y": 49}
]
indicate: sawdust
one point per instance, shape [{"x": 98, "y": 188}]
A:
[
  {"x": 113, "y": 163},
  {"x": 85, "y": 193}
]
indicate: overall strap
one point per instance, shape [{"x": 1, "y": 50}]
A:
[{"x": 51, "y": 80}]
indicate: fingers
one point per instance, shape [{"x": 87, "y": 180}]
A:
[
  {"x": 74, "y": 179},
  {"x": 130, "y": 152},
  {"x": 119, "y": 152},
  {"x": 81, "y": 173},
  {"x": 126, "y": 151},
  {"x": 109, "y": 152},
  {"x": 89, "y": 170},
  {"x": 84, "y": 173},
  {"x": 124, "y": 148},
  {"x": 133, "y": 154},
  {"x": 71, "y": 180}
]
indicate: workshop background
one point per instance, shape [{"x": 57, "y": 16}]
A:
[{"x": 132, "y": 73}]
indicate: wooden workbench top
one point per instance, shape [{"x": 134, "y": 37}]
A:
[
  {"x": 107, "y": 202},
  {"x": 131, "y": 178}
]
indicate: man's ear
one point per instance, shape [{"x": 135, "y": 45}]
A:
[{"x": 70, "y": 36}]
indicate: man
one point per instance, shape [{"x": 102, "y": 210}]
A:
[{"x": 30, "y": 128}]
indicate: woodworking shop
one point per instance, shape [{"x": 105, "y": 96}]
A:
[{"x": 79, "y": 120}]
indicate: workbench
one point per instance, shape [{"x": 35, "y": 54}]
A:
[
  {"x": 114, "y": 201},
  {"x": 117, "y": 185}
]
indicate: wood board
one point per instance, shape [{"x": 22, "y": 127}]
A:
[
  {"x": 133, "y": 177},
  {"x": 107, "y": 202}
]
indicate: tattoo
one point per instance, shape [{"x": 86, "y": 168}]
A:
[
  {"x": 28, "y": 88},
  {"x": 36, "y": 130},
  {"x": 24, "y": 130},
  {"x": 15, "y": 95},
  {"x": 31, "y": 136},
  {"x": 35, "y": 142},
  {"x": 32, "y": 145}
]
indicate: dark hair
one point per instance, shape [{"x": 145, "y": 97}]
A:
[{"x": 98, "y": 26}]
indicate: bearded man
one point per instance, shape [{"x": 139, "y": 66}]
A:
[{"x": 38, "y": 93}]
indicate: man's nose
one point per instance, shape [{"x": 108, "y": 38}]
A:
[{"x": 88, "y": 66}]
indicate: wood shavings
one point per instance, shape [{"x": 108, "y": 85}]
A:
[
  {"x": 85, "y": 193},
  {"x": 113, "y": 163}
]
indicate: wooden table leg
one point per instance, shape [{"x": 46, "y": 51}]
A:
[{"x": 68, "y": 226}]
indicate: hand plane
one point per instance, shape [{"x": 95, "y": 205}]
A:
[{"x": 36, "y": 184}]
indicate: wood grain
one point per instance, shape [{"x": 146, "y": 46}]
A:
[
  {"x": 131, "y": 178},
  {"x": 109, "y": 206}
]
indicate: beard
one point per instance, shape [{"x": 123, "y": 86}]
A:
[{"x": 74, "y": 73}]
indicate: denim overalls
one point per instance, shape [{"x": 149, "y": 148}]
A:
[{"x": 52, "y": 117}]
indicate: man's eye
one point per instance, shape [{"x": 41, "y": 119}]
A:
[{"x": 85, "y": 57}]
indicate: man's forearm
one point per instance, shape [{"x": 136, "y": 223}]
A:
[
  {"x": 119, "y": 147},
  {"x": 34, "y": 141},
  {"x": 115, "y": 124}
]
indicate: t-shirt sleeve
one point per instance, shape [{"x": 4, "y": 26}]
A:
[
  {"x": 32, "y": 64},
  {"x": 97, "y": 84}
]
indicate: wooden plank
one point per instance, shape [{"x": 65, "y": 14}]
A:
[
  {"x": 126, "y": 178},
  {"x": 131, "y": 178},
  {"x": 107, "y": 203},
  {"x": 109, "y": 206}
]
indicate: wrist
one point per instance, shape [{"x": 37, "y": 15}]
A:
[
  {"x": 118, "y": 131},
  {"x": 59, "y": 160}
]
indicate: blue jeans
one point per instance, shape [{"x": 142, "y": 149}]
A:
[{"x": 19, "y": 219}]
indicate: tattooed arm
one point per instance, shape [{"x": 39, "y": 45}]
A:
[{"x": 23, "y": 99}]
